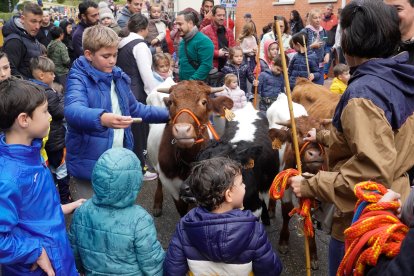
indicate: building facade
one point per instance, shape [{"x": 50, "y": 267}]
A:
[{"x": 263, "y": 11}]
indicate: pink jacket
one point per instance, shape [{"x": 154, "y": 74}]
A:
[{"x": 237, "y": 95}]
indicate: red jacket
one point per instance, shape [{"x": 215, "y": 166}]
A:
[
  {"x": 205, "y": 22},
  {"x": 211, "y": 32},
  {"x": 328, "y": 24}
]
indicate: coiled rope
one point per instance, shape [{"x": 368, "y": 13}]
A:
[
  {"x": 375, "y": 230},
  {"x": 277, "y": 191}
]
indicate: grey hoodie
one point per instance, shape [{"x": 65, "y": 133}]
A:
[{"x": 123, "y": 17}]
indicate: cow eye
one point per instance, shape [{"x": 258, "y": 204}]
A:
[{"x": 204, "y": 102}]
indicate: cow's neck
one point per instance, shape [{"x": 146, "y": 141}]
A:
[{"x": 175, "y": 161}]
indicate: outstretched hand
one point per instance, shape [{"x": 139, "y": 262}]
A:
[
  {"x": 113, "y": 120},
  {"x": 70, "y": 207}
]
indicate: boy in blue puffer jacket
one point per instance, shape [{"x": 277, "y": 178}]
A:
[
  {"x": 218, "y": 238},
  {"x": 33, "y": 238},
  {"x": 271, "y": 84},
  {"x": 99, "y": 107},
  {"x": 110, "y": 235},
  {"x": 297, "y": 66}
]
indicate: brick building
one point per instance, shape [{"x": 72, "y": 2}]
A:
[{"x": 262, "y": 11}]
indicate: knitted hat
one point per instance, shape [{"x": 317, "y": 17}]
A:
[
  {"x": 105, "y": 13},
  {"x": 102, "y": 5}
]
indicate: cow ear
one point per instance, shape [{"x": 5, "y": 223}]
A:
[
  {"x": 167, "y": 101},
  {"x": 219, "y": 103},
  {"x": 279, "y": 136}
]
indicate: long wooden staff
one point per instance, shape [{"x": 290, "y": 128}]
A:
[
  {"x": 257, "y": 75},
  {"x": 294, "y": 133},
  {"x": 306, "y": 55}
]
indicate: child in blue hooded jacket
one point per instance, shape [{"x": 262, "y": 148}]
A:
[
  {"x": 218, "y": 238},
  {"x": 271, "y": 84},
  {"x": 110, "y": 235}
]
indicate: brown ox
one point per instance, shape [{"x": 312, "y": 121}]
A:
[
  {"x": 312, "y": 160},
  {"x": 184, "y": 136},
  {"x": 318, "y": 100}
]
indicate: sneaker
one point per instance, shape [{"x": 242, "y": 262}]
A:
[
  {"x": 150, "y": 176},
  {"x": 325, "y": 76}
]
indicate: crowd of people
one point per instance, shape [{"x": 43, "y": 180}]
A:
[{"x": 70, "y": 93}]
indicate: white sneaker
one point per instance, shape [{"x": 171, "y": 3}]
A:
[{"x": 150, "y": 176}]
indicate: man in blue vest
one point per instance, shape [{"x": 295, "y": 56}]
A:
[{"x": 20, "y": 43}]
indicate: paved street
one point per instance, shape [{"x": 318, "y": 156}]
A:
[{"x": 293, "y": 262}]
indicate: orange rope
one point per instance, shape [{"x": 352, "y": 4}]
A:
[
  {"x": 378, "y": 231},
  {"x": 199, "y": 125},
  {"x": 277, "y": 191}
]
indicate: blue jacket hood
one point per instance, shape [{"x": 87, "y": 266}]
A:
[
  {"x": 116, "y": 178},
  {"x": 388, "y": 83},
  {"x": 229, "y": 240},
  {"x": 395, "y": 70},
  {"x": 83, "y": 65}
]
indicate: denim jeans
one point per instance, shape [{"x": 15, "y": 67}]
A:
[
  {"x": 328, "y": 65},
  {"x": 320, "y": 80},
  {"x": 336, "y": 254}
]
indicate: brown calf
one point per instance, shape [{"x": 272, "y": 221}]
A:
[
  {"x": 312, "y": 158},
  {"x": 318, "y": 100}
]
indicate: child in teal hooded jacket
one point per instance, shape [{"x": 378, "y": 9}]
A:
[{"x": 109, "y": 234}]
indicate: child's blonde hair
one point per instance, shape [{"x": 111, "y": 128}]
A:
[
  {"x": 155, "y": 5},
  {"x": 229, "y": 78},
  {"x": 161, "y": 57},
  {"x": 98, "y": 37}
]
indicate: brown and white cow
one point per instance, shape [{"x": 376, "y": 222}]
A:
[
  {"x": 318, "y": 100},
  {"x": 173, "y": 146}
]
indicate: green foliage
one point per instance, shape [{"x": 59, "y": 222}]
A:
[
  {"x": 5, "y": 16},
  {"x": 60, "y": 1},
  {"x": 7, "y": 6}
]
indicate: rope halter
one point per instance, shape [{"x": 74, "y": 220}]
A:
[{"x": 200, "y": 127}]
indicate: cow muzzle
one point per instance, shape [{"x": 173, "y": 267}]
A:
[
  {"x": 313, "y": 159},
  {"x": 184, "y": 135}
]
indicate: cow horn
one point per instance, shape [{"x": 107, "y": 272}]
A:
[
  {"x": 326, "y": 121},
  {"x": 216, "y": 89},
  {"x": 287, "y": 124},
  {"x": 163, "y": 90}
]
